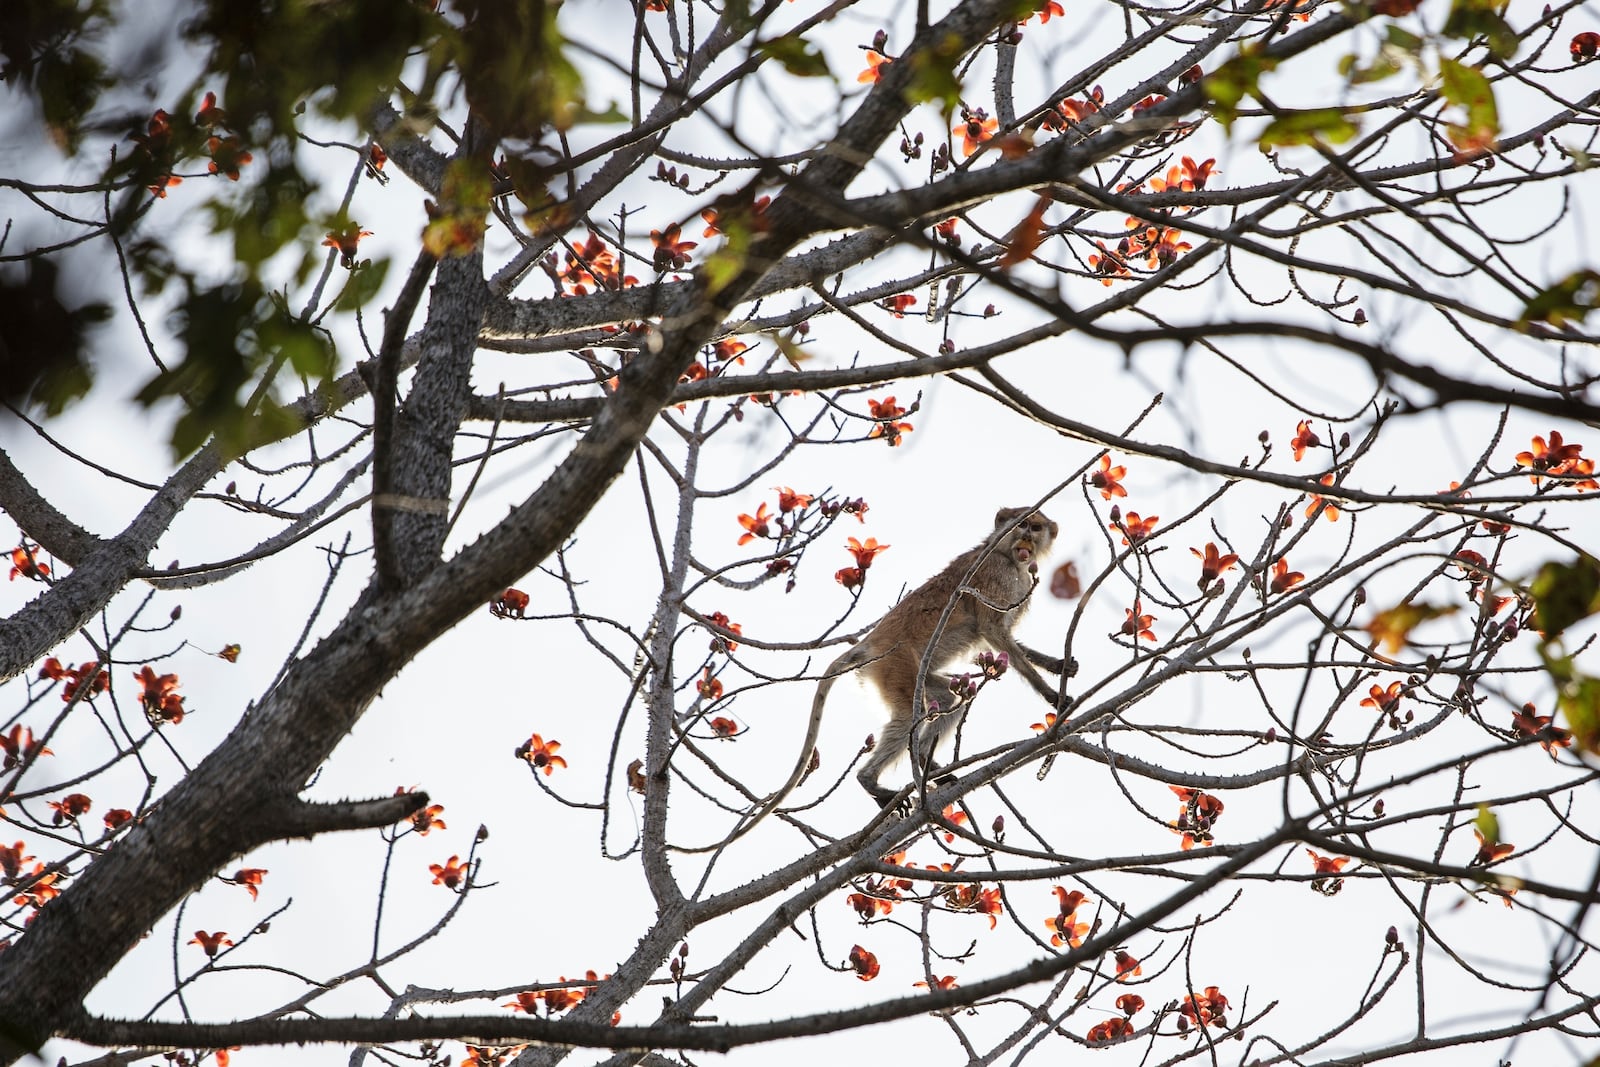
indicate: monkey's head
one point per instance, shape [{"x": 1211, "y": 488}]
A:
[{"x": 1030, "y": 534}]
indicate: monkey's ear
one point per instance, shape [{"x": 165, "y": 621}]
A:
[
  {"x": 1055, "y": 529},
  {"x": 1008, "y": 516}
]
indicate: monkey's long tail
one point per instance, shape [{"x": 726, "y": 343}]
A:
[{"x": 839, "y": 666}]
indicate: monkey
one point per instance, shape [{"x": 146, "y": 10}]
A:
[{"x": 986, "y": 590}]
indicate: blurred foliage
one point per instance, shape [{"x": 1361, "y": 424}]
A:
[{"x": 43, "y": 342}]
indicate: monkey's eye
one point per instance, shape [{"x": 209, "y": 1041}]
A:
[{"x": 1035, "y": 527}]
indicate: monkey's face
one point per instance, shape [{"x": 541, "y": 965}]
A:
[{"x": 1032, "y": 538}]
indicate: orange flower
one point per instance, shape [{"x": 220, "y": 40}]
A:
[
  {"x": 91, "y": 674},
  {"x": 1528, "y": 723},
  {"x": 1109, "y": 1032},
  {"x": 1064, "y": 927},
  {"x": 953, "y": 815},
  {"x": 1199, "y": 814},
  {"x": 1303, "y": 439},
  {"x": 1127, "y": 966},
  {"x": 709, "y": 687},
  {"x": 724, "y": 727},
  {"x": 250, "y": 878},
  {"x": 1206, "y": 1008},
  {"x": 671, "y": 253},
  {"x": 1384, "y": 700},
  {"x": 116, "y": 818},
  {"x": 886, "y": 412},
  {"x": 755, "y": 525},
  {"x": 1327, "y": 864},
  {"x": 1584, "y": 46},
  {"x": 69, "y": 807},
  {"x": 876, "y": 61},
  {"x": 849, "y": 577},
  {"x": 946, "y": 982},
  {"x": 1489, "y": 851},
  {"x": 1134, "y": 528},
  {"x": 230, "y": 653},
  {"x": 1213, "y": 563},
  {"x": 527, "y": 1000},
  {"x": 947, "y": 230},
  {"x": 864, "y": 553},
  {"x": 209, "y": 943},
  {"x": 1137, "y": 626},
  {"x": 427, "y": 819},
  {"x": 19, "y": 745},
  {"x": 1049, "y": 8},
  {"x": 1041, "y": 727},
  {"x": 1130, "y": 1004},
  {"x": 1555, "y": 458},
  {"x": 1331, "y": 512},
  {"x": 1283, "y": 579},
  {"x": 227, "y": 156},
  {"x": 974, "y": 128},
  {"x": 864, "y": 963},
  {"x": 345, "y": 240},
  {"x": 1108, "y": 479},
  {"x": 158, "y": 694},
  {"x": 729, "y": 348},
  {"x": 25, "y": 563},
  {"x": 450, "y": 874},
  {"x": 542, "y": 754}
]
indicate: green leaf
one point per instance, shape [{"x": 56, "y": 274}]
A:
[
  {"x": 1402, "y": 39},
  {"x": 1230, "y": 83},
  {"x": 1569, "y": 300},
  {"x": 363, "y": 285},
  {"x": 1487, "y": 824},
  {"x": 933, "y": 75},
  {"x": 1320, "y": 124},
  {"x": 1580, "y": 703},
  {"x": 1564, "y": 593},
  {"x": 798, "y": 56},
  {"x": 1469, "y": 88},
  {"x": 1469, "y": 19}
]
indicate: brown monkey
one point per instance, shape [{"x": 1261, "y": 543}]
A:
[{"x": 986, "y": 590}]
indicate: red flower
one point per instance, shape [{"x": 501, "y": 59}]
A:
[
  {"x": 865, "y": 553},
  {"x": 671, "y": 253},
  {"x": 718, "y": 642},
  {"x": 1064, "y": 927},
  {"x": 946, "y": 982},
  {"x": 250, "y": 878},
  {"x": 69, "y": 807},
  {"x": 1127, "y": 966},
  {"x": 209, "y": 943},
  {"x": 1303, "y": 439},
  {"x": 451, "y": 874},
  {"x": 227, "y": 156},
  {"x": 1489, "y": 851},
  {"x": 98, "y": 680},
  {"x": 1134, "y": 528},
  {"x": 849, "y": 577},
  {"x": 542, "y": 754},
  {"x": 159, "y": 695},
  {"x": 1109, "y": 1032},
  {"x": 210, "y": 115},
  {"x": 1213, "y": 563},
  {"x": 1555, "y": 458},
  {"x": 789, "y": 500},
  {"x": 729, "y": 348},
  {"x": 19, "y": 745},
  {"x": 1384, "y": 700},
  {"x": 876, "y": 61},
  {"x": 527, "y": 1001},
  {"x": 720, "y": 726},
  {"x": 898, "y": 304},
  {"x": 25, "y": 563},
  {"x": 868, "y": 906},
  {"x": 1327, "y": 864},
  {"x": 1108, "y": 479},
  {"x": 1049, "y": 8},
  {"x": 116, "y": 818},
  {"x": 38, "y": 887},
  {"x": 1109, "y": 263},
  {"x": 974, "y": 128},
  {"x": 886, "y": 411},
  {"x": 864, "y": 963},
  {"x": 1130, "y": 1004},
  {"x": 345, "y": 240},
  {"x": 1528, "y": 723},
  {"x": 1283, "y": 579},
  {"x": 511, "y": 604},
  {"x": 1137, "y": 626},
  {"x": 947, "y": 229},
  {"x": 755, "y": 525},
  {"x": 1198, "y": 815},
  {"x": 1584, "y": 46},
  {"x": 426, "y": 819},
  {"x": 11, "y": 860}
]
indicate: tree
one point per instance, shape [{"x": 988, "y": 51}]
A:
[{"x": 987, "y": 254}]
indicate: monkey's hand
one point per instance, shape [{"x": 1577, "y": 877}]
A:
[{"x": 1050, "y": 663}]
